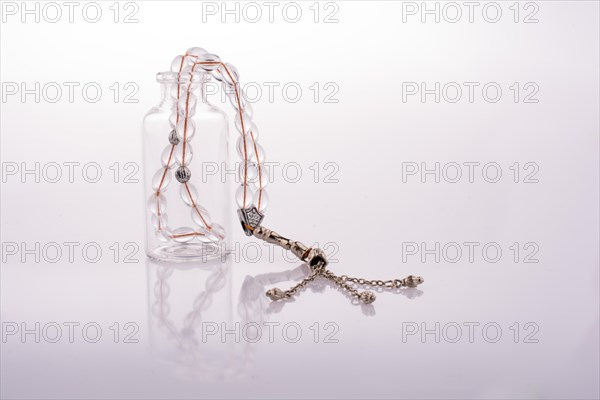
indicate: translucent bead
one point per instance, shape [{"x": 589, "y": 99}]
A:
[
  {"x": 180, "y": 101},
  {"x": 185, "y": 130},
  {"x": 161, "y": 180},
  {"x": 239, "y": 196},
  {"x": 189, "y": 82},
  {"x": 200, "y": 216},
  {"x": 257, "y": 154},
  {"x": 252, "y": 150},
  {"x": 208, "y": 62},
  {"x": 177, "y": 64},
  {"x": 174, "y": 118},
  {"x": 158, "y": 204},
  {"x": 217, "y": 74},
  {"x": 164, "y": 235},
  {"x": 206, "y": 238},
  {"x": 188, "y": 155},
  {"x": 168, "y": 159},
  {"x": 184, "y": 81},
  {"x": 159, "y": 222},
  {"x": 196, "y": 51},
  {"x": 183, "y": 234},
  {"x": 253, "y": 130},
  {"x": 187, "y": 105},
  {"x": 175, "y": 92},
  {"x": 244, "y": 151},
  {"x": 245, "y": 118},
  {"x": 216, "y": 232},
  {"x": 263, "y": 179},
  {"x": 247, "y": 170},
  {"x": 249, "y": 110},
  {"x": 188, "y": 64},
  {"x": 230, "y": 74},
  {"x": 233, "y": 98},
  {"x": 261, "y": 199},
  {"x": 189, "y": 194}
]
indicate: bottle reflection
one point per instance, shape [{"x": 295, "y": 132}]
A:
[
  {"x": 192, "y": 302},
  {"x": 180, "y": 298},
  {"x": 187, "y": 301}
]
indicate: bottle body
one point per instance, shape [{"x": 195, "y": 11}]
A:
[{"x": 185, "y": 146}]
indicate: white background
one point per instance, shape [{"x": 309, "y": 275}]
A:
[{"x": 369, "y": 216}]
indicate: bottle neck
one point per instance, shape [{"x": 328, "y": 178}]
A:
[
  {"x": 169, "y": 93},
  {"x": 165, "y": 94}
]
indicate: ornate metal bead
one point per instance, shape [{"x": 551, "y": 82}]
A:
[
  {"x": 183, "y": 174},
  {"x": 275, "y": 294},
  {"x": 250, "y": 218},
  {"x": 173, "y": 138},
  {"x": 367, "y": 297}
]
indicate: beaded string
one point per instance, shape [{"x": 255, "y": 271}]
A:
[
  {"x": 183, "y": 129},
  {"x": 251, "y": 205}
]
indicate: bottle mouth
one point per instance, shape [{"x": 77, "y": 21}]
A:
[{"x": 186, "y": 77}]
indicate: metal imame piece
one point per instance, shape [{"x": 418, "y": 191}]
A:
[{"x": 250, "y": 218}]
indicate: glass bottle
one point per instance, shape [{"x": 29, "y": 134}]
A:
[{"x": 185, "y": 148}]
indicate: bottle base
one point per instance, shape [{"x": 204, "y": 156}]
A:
[{"x": 188, "y": 252}]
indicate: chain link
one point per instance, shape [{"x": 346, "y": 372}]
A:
[
  {"x": 343, "y": 281},
  {"x": 389, "y": 284},
  {"x": 338, "y": 280},
  {"x": 292, "y": 291}
]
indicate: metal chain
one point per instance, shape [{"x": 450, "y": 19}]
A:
[
  {"x": 389, "y": 284},
  {"x": 366, "y": 297},
  {"x": 341, "y": 282},
  {"x": 292, "y": 291},
  {"x": 317, "y": 261}
]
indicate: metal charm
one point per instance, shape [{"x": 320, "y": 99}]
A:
[
  {"x": 275, "y": 294},
  {"x": 367, "y": 297}
]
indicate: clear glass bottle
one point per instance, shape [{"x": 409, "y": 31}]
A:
[{"x": 185, "y": 149}]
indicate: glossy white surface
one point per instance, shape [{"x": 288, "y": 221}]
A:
[{"x": 364, "y": 220}]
